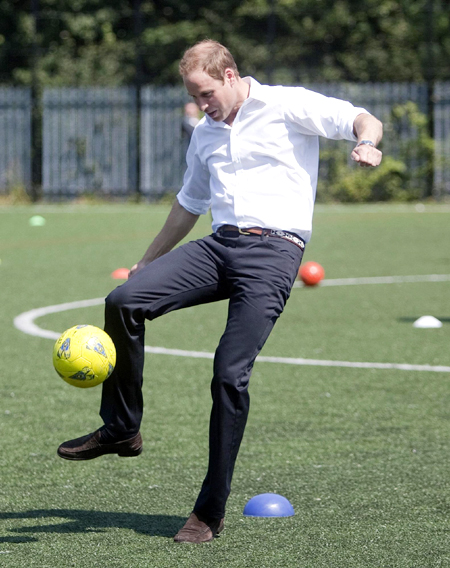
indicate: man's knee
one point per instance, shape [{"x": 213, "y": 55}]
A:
[
  {"x": 230, "y": 377},
  {"x": 117, "y": 299}
]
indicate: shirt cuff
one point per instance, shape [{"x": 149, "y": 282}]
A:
[{"x": 194, "y": 206}]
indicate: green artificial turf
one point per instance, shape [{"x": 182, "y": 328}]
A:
[{"x": 362, "y": 454}]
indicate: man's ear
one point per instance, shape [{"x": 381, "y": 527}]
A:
[{"x": 230, "y": 76}]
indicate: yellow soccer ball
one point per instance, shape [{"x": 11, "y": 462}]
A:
[{"x": 84, "y": 356}]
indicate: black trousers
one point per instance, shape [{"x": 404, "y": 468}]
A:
[{"x": 256, "y": 274}]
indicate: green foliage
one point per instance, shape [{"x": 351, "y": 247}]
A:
[
  {"x": 16, "y": 195},
  {"x": 353, "y": 184},
  {"x": 404, "y": 171},
  {"x": 420, "y": 148},
  {"x": 92, "y": 42}
]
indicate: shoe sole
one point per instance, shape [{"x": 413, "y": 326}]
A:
[
  {"x": 74, "y": 457},
  {"x": 130, "y": 454},
  {"x": 92, "y": 453}
]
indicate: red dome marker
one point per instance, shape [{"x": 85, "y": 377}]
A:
[{"x": 120, "y": 274}]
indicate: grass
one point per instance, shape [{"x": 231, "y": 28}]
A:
[{"x": 362, "y": 454}]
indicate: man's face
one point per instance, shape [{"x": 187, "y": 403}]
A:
[{"x": 217, "y": 99}]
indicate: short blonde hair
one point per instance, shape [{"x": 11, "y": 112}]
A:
[{"x": 209, "y": 56}]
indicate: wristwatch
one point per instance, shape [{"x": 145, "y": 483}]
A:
[{"x": 367, "y": 142}]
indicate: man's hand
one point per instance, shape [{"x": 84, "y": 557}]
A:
[
  {"x": 367, "y": 128},
  {"x": 367, "y": 156},
  {"x": 177, "y": 226},
  {"x": 135, "y": 268}
]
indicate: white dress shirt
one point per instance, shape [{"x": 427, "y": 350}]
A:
[{"x": 262, "y": 170}]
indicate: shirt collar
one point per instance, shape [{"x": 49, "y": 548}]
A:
[{"x": 257, "y": 92}]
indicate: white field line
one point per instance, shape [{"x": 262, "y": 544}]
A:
[
  {"x": 380, "y": 280},
  {"x": 25, "y": 323},
  {"x": 310, "y": 362}
]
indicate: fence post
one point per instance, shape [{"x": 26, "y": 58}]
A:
[
  {"x": 36, "y": 113},
  {"x": 137, "y": 18},
  {"x": 430, "y": 78}
]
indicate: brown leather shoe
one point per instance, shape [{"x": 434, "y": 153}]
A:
[
  {"x": 90, "y": 447},
  {"x": 198, "y": 529}
]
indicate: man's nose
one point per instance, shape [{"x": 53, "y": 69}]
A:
[{"x": 202, "y": 103}]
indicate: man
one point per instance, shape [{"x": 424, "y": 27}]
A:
[{"x": 253, "y": 159}]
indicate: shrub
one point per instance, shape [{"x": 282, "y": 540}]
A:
[{"x": 403, "y": 175}]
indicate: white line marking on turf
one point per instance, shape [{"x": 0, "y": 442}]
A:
[
  {"x": 310, "y": 362},
  {"x": 25, "y": 323},
  {"x": 381, "y": 280}
]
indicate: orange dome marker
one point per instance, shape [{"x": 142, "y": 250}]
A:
[{"x": 120, "y": 274}]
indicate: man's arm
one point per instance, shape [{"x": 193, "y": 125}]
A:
[
  {"x": 177, "y": 226},
  {"x": 367, "y": 127}
]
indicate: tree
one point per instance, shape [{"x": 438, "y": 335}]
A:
[{"x": 92, "y": 42}]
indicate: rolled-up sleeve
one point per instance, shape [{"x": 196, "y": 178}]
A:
[
  {"x": 314, "y": 113},
  {"x": 195, "y": 194}
]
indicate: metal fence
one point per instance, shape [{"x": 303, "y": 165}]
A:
[
  {"x": 89, "y": 142},
  {"x": 15, "y": 138},
  {"x": 442, "y": 139},
  {"x": 119, "y": 142},
  {"x": 163, "y": 148},
  {"x": 380, "y": 99}
]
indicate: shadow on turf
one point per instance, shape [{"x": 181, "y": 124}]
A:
[
  {"x": 16, "y": 539},
  {"x": 81, "y": 521}
]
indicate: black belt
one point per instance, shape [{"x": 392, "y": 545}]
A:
[{"x": 232, "y": 231}]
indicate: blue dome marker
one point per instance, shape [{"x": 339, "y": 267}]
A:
[{"x": 268, "y": 505}]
